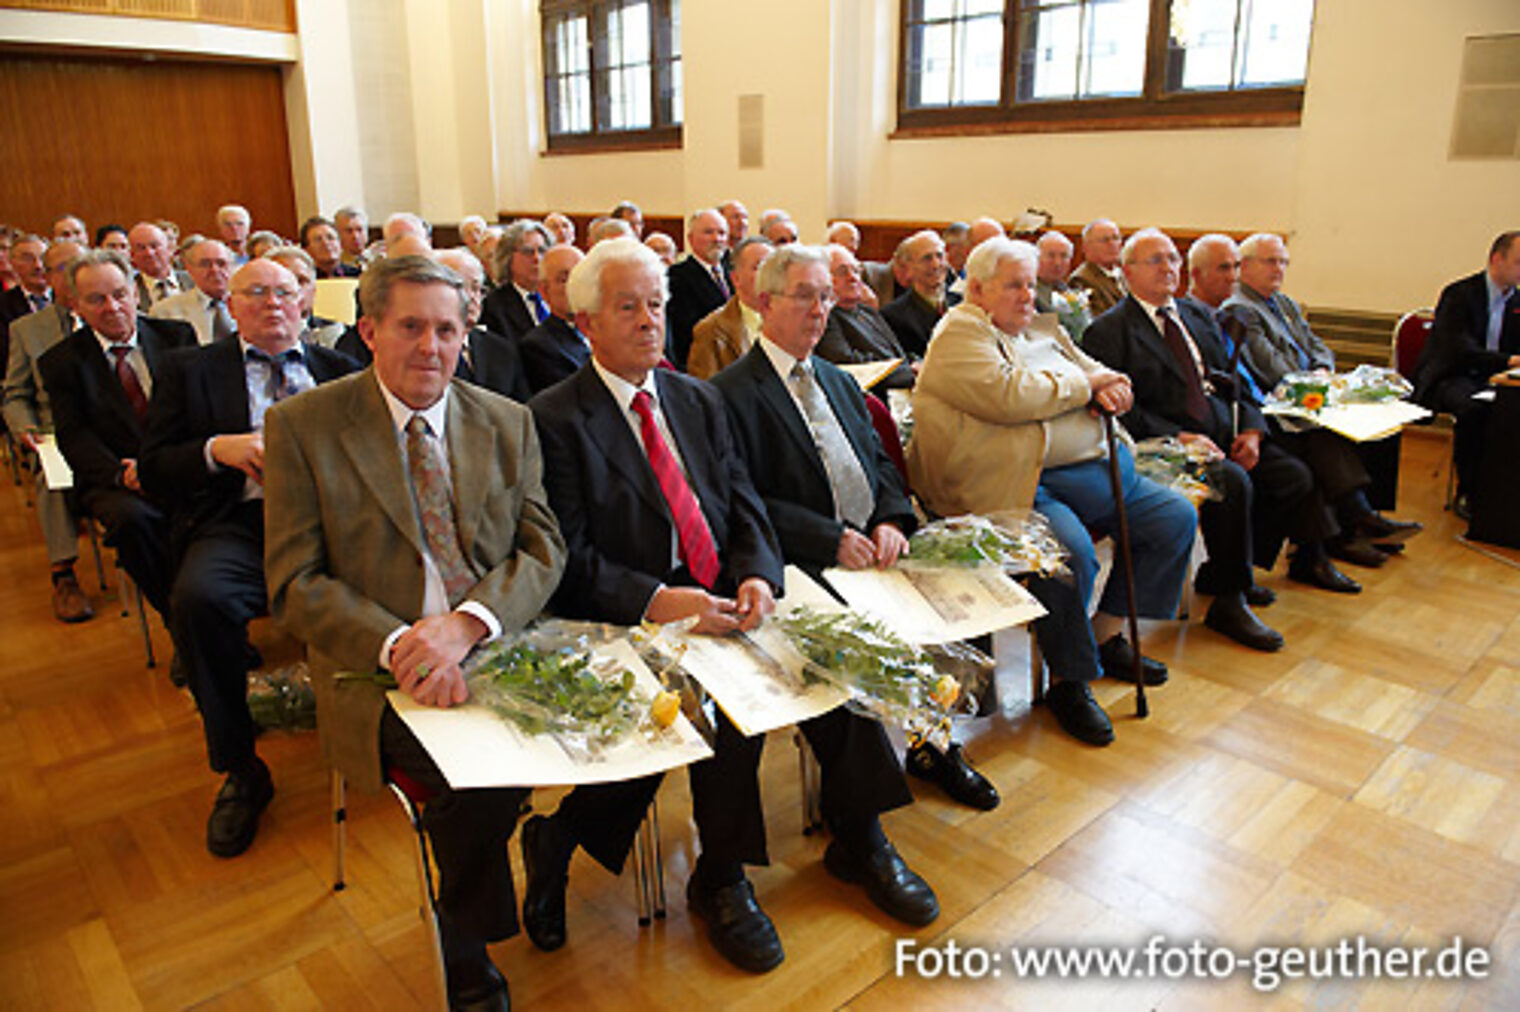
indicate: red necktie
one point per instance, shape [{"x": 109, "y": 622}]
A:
[
  {"x": 129, "y": 382},
  {"x": 697, "y": 548}
]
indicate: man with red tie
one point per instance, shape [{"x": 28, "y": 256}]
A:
[{"x": 661, "y": 523}]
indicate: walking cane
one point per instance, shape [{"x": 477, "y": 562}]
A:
[{"x": 1142, "y": 708}]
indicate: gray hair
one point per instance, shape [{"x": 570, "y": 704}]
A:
[
  {"x": 347, "y": 212},
  {"x": 585, "y": 287},
  {"x": 282, "y": 253},
  {"x": 96, "y": 258},
  {"x": 229, "y": 210},
  {"x": 1087, "y": 229},
  {"x": 512, "y": 238},
  {"x": 1055, "y": 236},
  {"x": 772, "y": 276},
  {"x": 983, "y": 263},
  {"x": 1127, "y": 253},
  {"x": 1250, "y": 246},
  {"x": 611, "y": 228},
  {"x": 382, "y": 276},
  {"x": 1200, "y": 248},
  {"x": 752, "y": 240},
  {"x": 462, "y": 262},
  {"x": 691, "y": 222},
  {"x": 413, "y": 222},
  {"x": 900, "y": 255}
]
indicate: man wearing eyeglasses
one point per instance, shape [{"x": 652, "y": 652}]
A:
[{"x": 203, "y": 456}]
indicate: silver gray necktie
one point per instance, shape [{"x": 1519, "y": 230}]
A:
[{"x": 853, "y": 500}]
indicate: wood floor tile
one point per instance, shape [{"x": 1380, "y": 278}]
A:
[
  {"x": 1301, "y": 745},
  {"x": 1488, "y": 740},
  {"x": 1437, "y": 793},
  {"x": 1357, "y": 700}
]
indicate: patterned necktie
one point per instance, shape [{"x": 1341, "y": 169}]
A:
[
  {"x": 129, "y": 382},
  {"x": 282, "y": 380},
  {"x": 435, "y": 508},
  {"x": 717, "y": 274},
  {"x": 853, "y": 500},
  {"x": 698, "y": 550},
  {"x": 221, "y": 321},
  {"x": 1195, "y": 402}
]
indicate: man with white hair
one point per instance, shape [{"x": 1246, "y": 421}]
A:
[
  {"x": 234, "y": 223},
  {"x": 472, "y": 228},
  {"x": 71, "y": 228},
  {"x": 1213, "y": 269},
  {"x": 560, "y": 227},
  {"x": 603, "y": 229},
  {"x": 204, "y": 307},
  {"x": 405, "y": 223},
  {"x": 856, "y": 331},
  {"x": 616, "y": 433},
  {"x": 203, "y": 457},
  {"x": 153, "y": 258},
  {"x": 1055, "y": 264},
  {"x": 664, "y": 247},
  {"x": 781, "y": 231},
  {"x": 844, "y": 233},
  {"x": 1100, "y": 272},
  {"x": 698, "y": 284},
  {"x": 914, "y": 313},
  {"x": 1005, "y": 419},
  {"x": 516, "y": 306}
]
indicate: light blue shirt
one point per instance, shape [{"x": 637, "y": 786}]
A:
[{"x": 1497, "y": 297}]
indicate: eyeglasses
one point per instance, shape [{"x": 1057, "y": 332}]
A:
[
  {"x": 259, "y": 293},
  {"x": 1169, "y": 259},
  {"x": 824, "y": 298}
]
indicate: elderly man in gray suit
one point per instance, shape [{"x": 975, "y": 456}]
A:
[
  {"x": 406, "y": 522},
  {"x": 204, "y": 307},
  {"x": 153, "y": 259}
]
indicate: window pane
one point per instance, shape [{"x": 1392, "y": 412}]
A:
[
  {"x": 932, "y": 46},
  {"x": 956, "y": 62},
  {"x": 1049, "y": 51},
  {"x": 1115, "y": 47},
  {"x": 1223, "y": 44},
  {"x": 627, "y": 58},
  {"x": 569, "y": 76},
  {"x": 1275, "y": 42},
  {"x": 1205, "y": 32}
]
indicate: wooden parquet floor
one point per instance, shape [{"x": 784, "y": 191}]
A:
[{"x": 1364, "y": 781}]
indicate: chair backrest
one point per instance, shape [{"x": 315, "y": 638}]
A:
[
  {"x": 1409, "y": 336},
  {"x": 335, "y": 299},
  {"x": 886, "y": 429}
]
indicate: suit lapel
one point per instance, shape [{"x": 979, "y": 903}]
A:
[
  {"x": 370, "y": 442},
  {"x": 778, "y": 401},
  {"x": 1141, "y": 326},
  {"x": 107, "y": 387},
  {"x": 609, "y": 431},
  {"x": 469, "y": 439},
  {"x": 686, "y": 422}
]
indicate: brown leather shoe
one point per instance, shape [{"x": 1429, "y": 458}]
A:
[{"x": 70, "y": 603}]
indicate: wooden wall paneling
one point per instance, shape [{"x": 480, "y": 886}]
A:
[
  {"x": 124, "y": 140},
  {"x": 266, "y": 15}
]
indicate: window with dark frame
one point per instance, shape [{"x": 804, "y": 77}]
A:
[
  {"x": 612, "y": 73},
  {"x": 994, "y": 65}
]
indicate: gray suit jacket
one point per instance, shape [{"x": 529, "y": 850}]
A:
[
  {"x": 343, "y": 545},
  {"x": 145, "y": 296},
  {"x": 188, "y": 306},
  {"x": 26, "y": 401},
  {"x": 1272, "y": 344},
  {"x": 1106, "y": 292}
]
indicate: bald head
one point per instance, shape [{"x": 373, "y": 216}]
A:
[
  {"x": 408, "y": 246},
  {"x": 265, "y": 302},
  {"x": 1101, "y": 243},
  {"x": 554, "y": 279},
  {"x": 150, "y": 250},
  {"x": 210, "y": 265}
]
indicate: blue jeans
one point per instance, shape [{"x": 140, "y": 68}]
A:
[{"x": 1078, "y": 501}]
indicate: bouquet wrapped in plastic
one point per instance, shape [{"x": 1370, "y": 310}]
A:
[
  {"x": 1307, "y": 390},
  {"x": 1369, "y": 384},
  {"x": 282, "y": 700},
  {"x": 1020, "y": 542},
  {"x": 889, "y": 679},
  {"x": 1072, "y": 310},
  {"x": 1168, "y": 461}
]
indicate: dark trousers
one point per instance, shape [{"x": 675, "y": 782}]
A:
[
  {"x": 602, "y": 819},
  {"x": 1063, "y": 633},
  {"x": 1454, "y": 396},
  {"x": 139, "y": 533},
  {"x": 218, "y": 588},
  {"x": 861, "y": 779},
  {"x": 468, "y": 831},
  {"x": 1288, "y": 504},
  {"x": 1339, "y": 474}
]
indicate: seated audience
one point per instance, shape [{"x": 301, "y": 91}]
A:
[
  {"x": 113, "y": 238},
  {"x": 697, "y": 283},
  {"x": 204, "y": 307},
  {"x": 1055, "y": 264},
  {"x": 343, "y": 535},
  {"x": 31, "y": 293},
  {"x": 719, "y": 563},
  {"x": 203, "y": 458},
  {"x": 1005, "y": 419},
  {"x": 316, "y": 329},
  {"x": 153, "y": 257},
  {"x": 486, "y": 359},
  {"x": 1213, "y": 269},
  {"x": 725, "y": 334},
  {"x": 1100, "y": 272},
  {"x": 630, "y": 213},
  {"x": 28, "y": 415},
  {"x": 71, "y": 228},
  {"x": 555, "y": 348},
  {"x": 1476, "y": 335},
  {"x": 263, "y": 242},
  {"x": 855, "y": 331},
  {"x": 100, "y": 381},
  {"x": 914, "y": 313},
  {"x": 233, "y": 224},
  {"x": 516, "y": 307},
  {"x": 1278, "y": 341},
  {"x": 1174, "y": 355},
  {"x": 561, "y": 230},
  {"x": 319, "y": 238},
  {"x": 664, "y": 247},
  {"x": 353, "y": 233}
]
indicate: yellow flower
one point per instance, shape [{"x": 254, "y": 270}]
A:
[
  {"x": 665, "y": 709},
  {"x": 946, "y": 691}
]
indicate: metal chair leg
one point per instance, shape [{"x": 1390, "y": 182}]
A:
[
  {"x": 428, "y": 899},
  {"x": 649, "y": 868},
  {"x": 340, "y": 828},
  {"x": 100, "y": 566}
]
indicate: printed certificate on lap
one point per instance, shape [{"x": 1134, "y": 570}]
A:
[
  {"x": 1360, "y": 423},
  {"x": 937, "y": 604},
  {"x": 757, "y": 678},
  {"x": 474, "y": 747}
]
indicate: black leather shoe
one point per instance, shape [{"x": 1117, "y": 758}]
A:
[
  {"x": 736, "y": 925},
  {"x": 1118, "y": 660},
  {"x": 1078, "y": 713},
  {"x": 476, "y": 985},
  {"x": 1380, "y": 529},
  {"x": 547, "y": 865},
  {"x": 1357, "y": 551},
  {"x": 954, "y": 775},
  {"x": 1230, "y": 616},
  {"x": 1257, "y": 596},
  {"x": 1321, "y": 572},
  {"x": 235, "y": 815},
  {"x": 889, "y": 882}
]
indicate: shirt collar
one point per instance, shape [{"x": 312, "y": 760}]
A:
[
  {"x": 106, "y": 344},
  {"x": 1495, "y": 293},
  {"x": 246, "y": 347},
  {"x": 436, "y": 415},
  {"x": 623, "y": 391},
  {"x": 750, "y": 317},
  {"x": 1151, "y": 308},
  {"x": 781, "y": 359}
]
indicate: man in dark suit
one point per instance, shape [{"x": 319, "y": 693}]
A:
[
  {"x": 914, "y": 313},
  {"x": 157, "y": 278},
  {"x": 1174, "y": 356},
  {"x": 319, "y": 238},
  {"x": 344, "y": 538},
  {"x": 856, "y": 332},
  {"x": 100, "y": 381},
  {"x": 1476, "y": 334},
  {"x": 698, "y": 285},
  {"x": 554, "y": 349},
  {"x": 203, "y": 456},
  {"x": 515, "y": 307},
  {"x": 662, "y": 523},
  {"x": 486, "y": 359}
]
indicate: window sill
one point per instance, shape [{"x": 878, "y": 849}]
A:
[
  {"x": 607, "y": 144},
  {"x": 1268, "y": 108}
]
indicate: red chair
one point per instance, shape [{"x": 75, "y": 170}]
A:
[
  {"x": 1409, "y": 336},
  {"x": 886, "y": 430}
]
